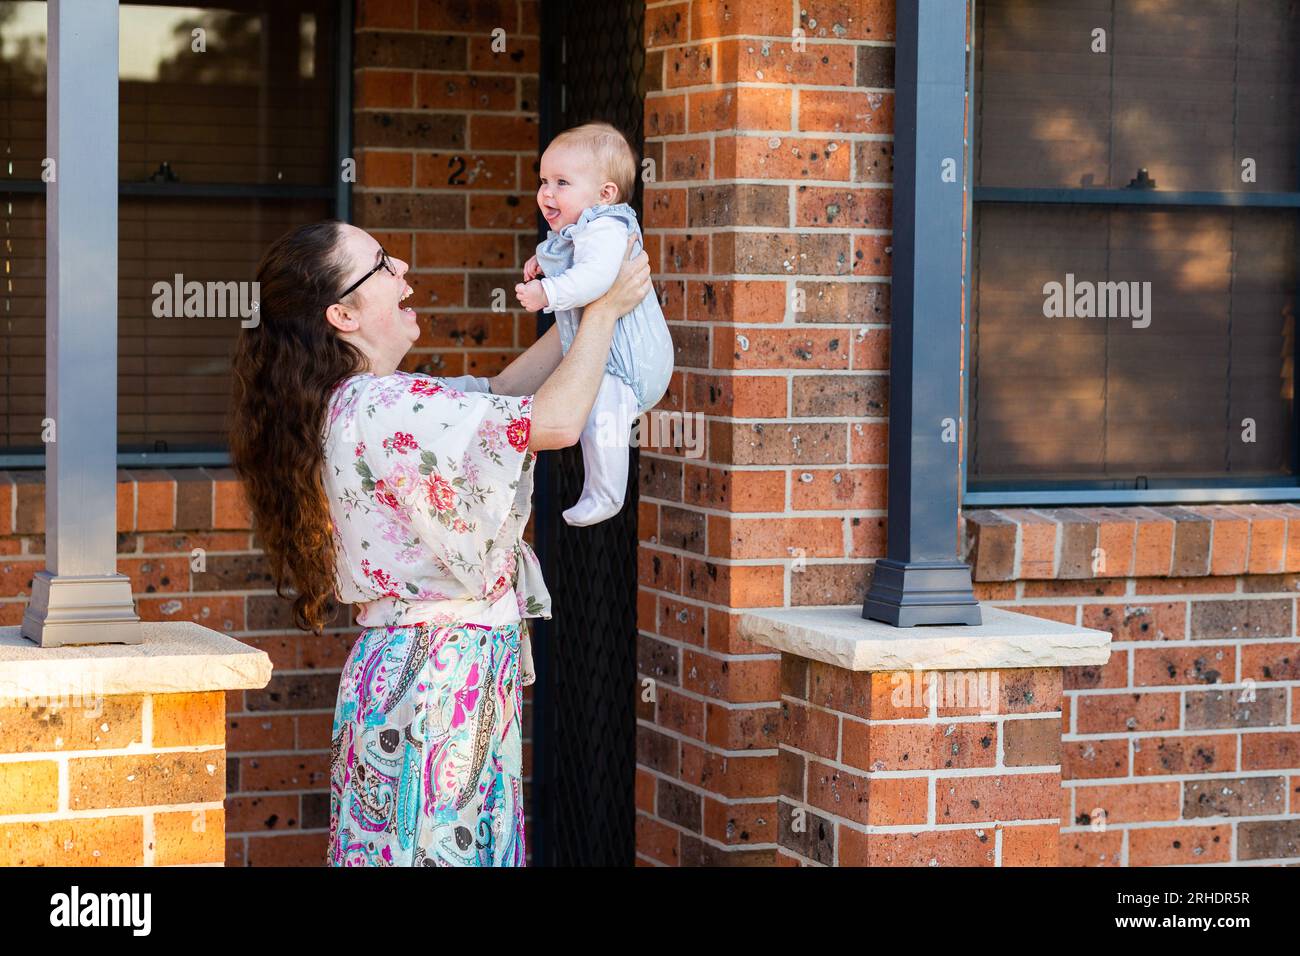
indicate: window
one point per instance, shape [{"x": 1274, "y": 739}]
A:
[
  {"x": 228, "y": 137},
  {"x": 1134, "y": 255}
]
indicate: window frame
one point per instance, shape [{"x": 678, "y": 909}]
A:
[
  {"x": 1029, "y": 492},
  {"x": 340, "y": 193}
]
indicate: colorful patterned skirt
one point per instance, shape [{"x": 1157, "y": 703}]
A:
[{"x": 426, "y": 763}]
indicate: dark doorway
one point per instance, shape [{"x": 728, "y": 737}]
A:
[{"x": 584, "y": 719}]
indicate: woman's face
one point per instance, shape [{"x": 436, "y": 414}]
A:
[{"x": 372, "y": 316}]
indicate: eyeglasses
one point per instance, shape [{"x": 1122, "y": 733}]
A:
[{"x": 383, "y": 263}]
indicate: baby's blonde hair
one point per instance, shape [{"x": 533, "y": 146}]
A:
[{"x": 614, "y": 155}]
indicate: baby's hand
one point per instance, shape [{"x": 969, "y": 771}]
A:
[
  {"x": 531, "y": 269},
  {"x": 531, "y": 295}
]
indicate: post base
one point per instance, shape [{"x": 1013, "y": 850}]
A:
[
  {"x": 81, "y": 609},
  {"x": 921, "y": 592}
]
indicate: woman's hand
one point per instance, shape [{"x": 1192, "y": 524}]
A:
[{"x": 629, "y": 288}]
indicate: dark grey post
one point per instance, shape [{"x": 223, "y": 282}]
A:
[
  {"x": 921, "y": 581},
  {"x": 80, "y": 598}
]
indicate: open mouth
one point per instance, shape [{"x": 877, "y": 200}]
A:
[
  {"x": 551, "y": 213},
  {"x": 406, "y": 295}
]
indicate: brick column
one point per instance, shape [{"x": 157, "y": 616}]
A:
[
  {"x": 933, "y": 745},
  {"x": 115, "y": 755},
  {"x": 919, "y": 768},
  {"x": 768, "y": 230}
]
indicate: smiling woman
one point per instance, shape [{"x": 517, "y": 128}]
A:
[{"x": 407, "y": 495}]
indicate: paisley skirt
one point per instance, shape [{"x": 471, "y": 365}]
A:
[{"x": 426, "y": 760}]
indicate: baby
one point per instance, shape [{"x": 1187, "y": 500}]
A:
[{"x": 587, "y": 176}]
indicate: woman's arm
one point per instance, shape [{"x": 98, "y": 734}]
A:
[
  {"x": 525, "y": 375},
  {"x": 563, "y": 402}
]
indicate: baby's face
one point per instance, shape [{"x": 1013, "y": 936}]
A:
[{"x": 570, "y": 183}]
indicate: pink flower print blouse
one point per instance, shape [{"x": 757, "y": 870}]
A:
[{"x": 429, "y": 489}]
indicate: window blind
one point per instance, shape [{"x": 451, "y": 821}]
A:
[
  {"x": 219, "y": 151},
  {"x": 1203, "y": 387},
  {"x": 1186, "y": 89}
]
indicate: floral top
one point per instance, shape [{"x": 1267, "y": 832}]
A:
[{"x": 429, "y": 490}]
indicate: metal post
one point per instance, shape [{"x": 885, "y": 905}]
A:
[
  {"x": 921, "y": 581},
  {"x": 80, "y": 598},
  {"x": 343, "y": 113}
]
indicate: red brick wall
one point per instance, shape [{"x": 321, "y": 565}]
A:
[
  {"x": 773, "y": 178},
  {"x": 1188, "y": 739},
  {"x": 445, "y": 135}
]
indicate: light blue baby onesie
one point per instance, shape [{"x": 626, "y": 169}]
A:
[{"x": 641, "y": 353}]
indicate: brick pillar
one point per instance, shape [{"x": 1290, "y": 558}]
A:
[
  {"x": 767, "y": 225},
  {"x": 919, "y": 768},
  {"x": 105, "y": 760}
]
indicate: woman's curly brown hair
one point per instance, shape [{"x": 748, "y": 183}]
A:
[{"x": 285, "y": 368}]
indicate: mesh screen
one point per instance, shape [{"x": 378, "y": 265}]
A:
[{"x": 584, "y": 730}]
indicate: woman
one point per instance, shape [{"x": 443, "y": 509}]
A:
[{"x": 407, "y": 495}]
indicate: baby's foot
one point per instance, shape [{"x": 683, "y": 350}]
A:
[{"x": 592, "y": 509}]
